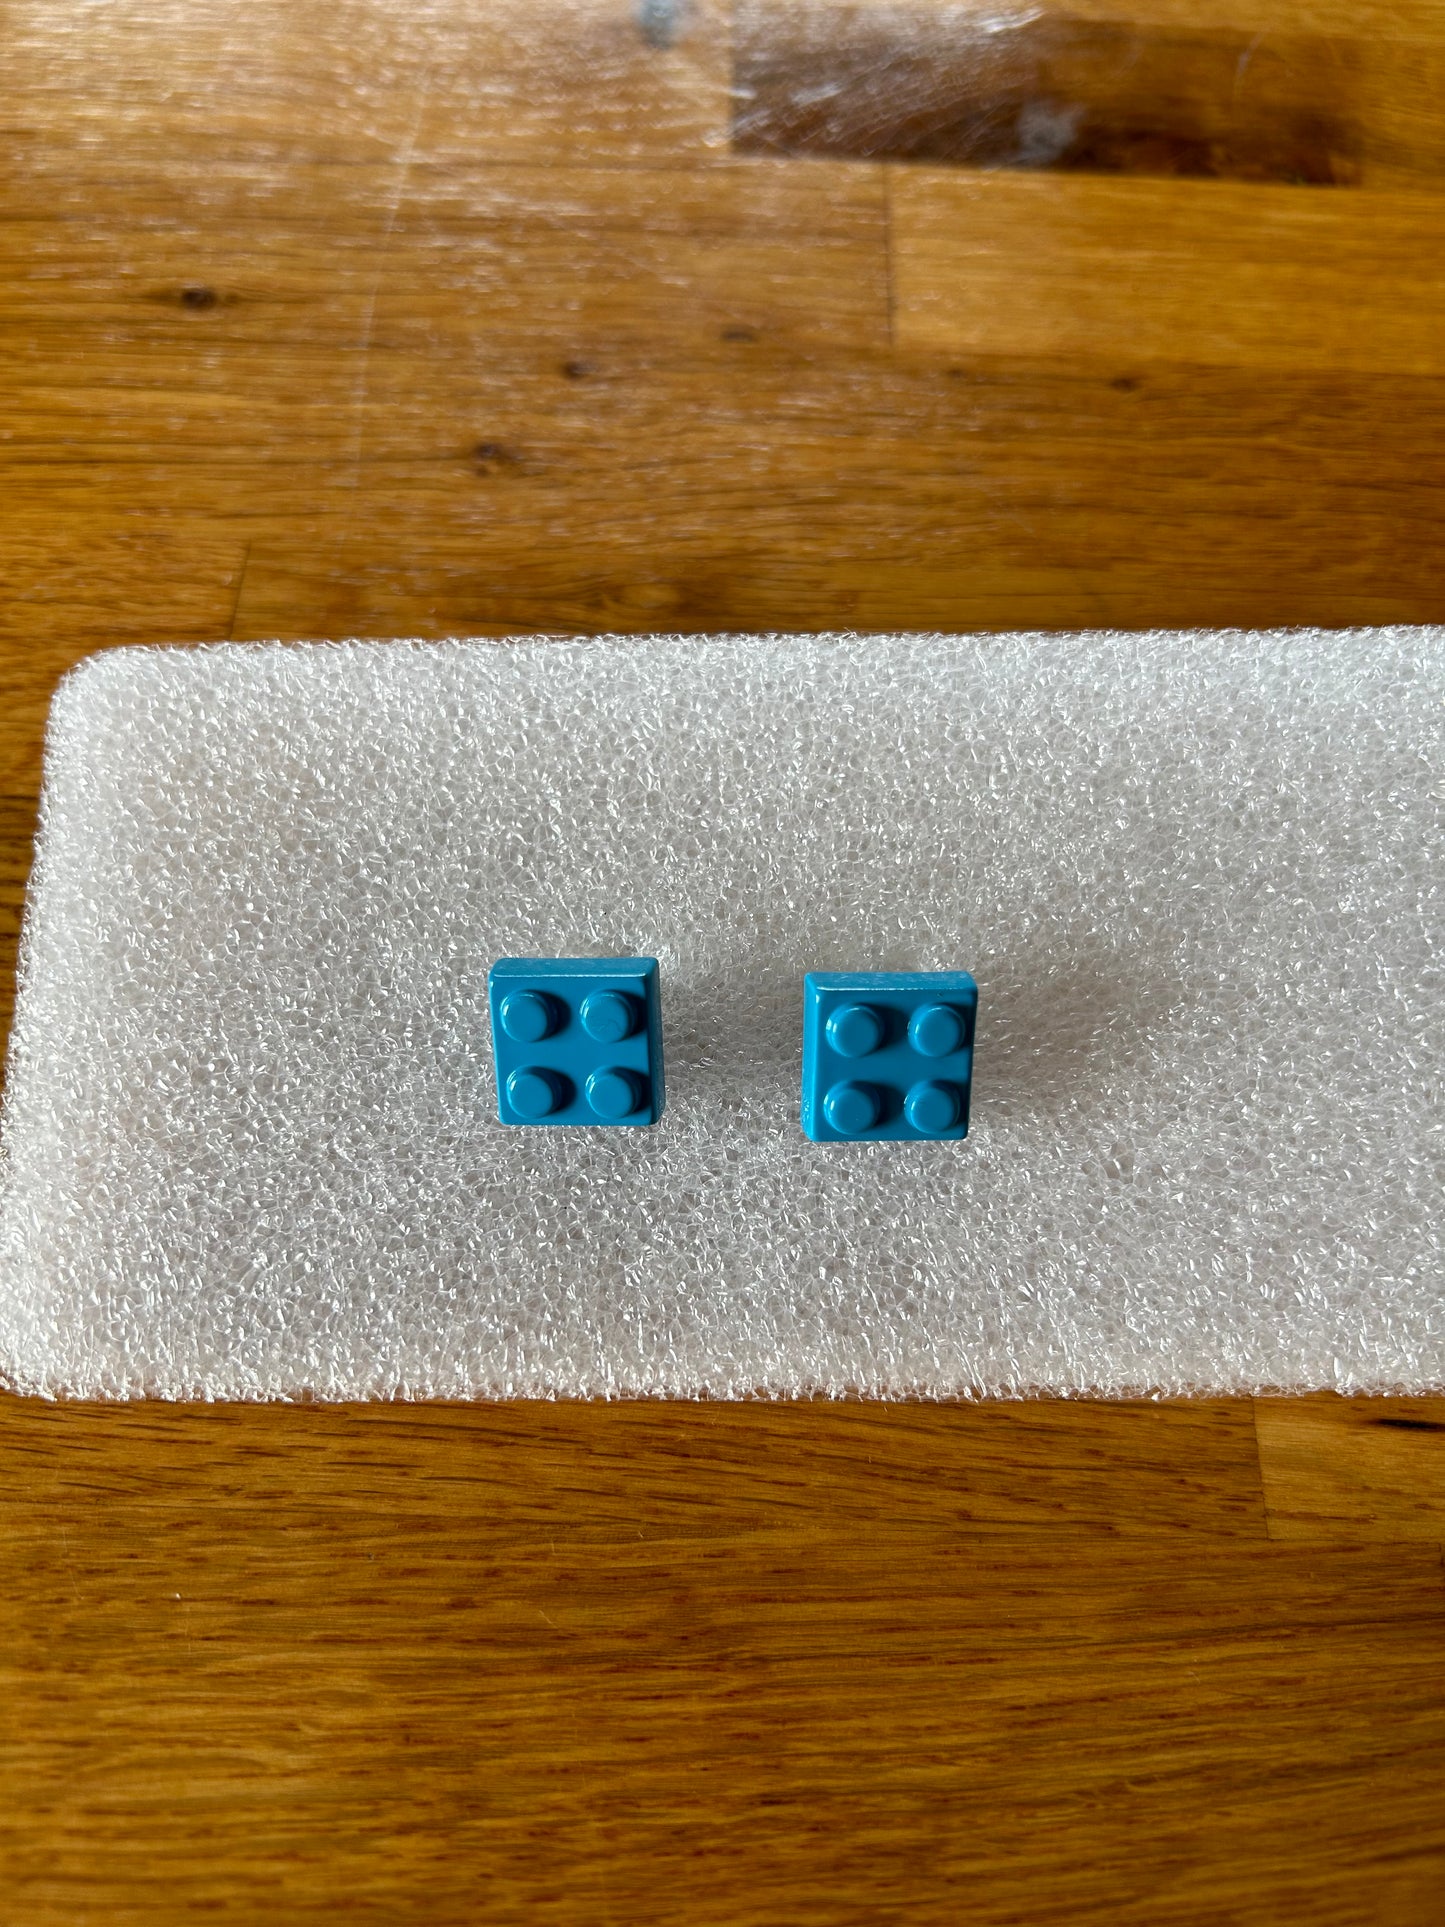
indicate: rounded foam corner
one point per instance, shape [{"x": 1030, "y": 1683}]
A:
[{"x": 112, "y": 663}]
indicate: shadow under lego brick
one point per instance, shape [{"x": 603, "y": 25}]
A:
[{"x": 1056, "y": 1026}]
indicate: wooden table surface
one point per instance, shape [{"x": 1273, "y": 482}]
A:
[{"x": 375, "y": 317}]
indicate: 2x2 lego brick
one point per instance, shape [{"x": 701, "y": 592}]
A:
[
  {"x": 887, "y": 1055},
  {"x": 577, "y": 1040}
]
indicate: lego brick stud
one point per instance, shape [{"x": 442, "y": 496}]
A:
[
  {"x": 577, "y": 1040},
  {"x": 887, "y": 1055},
  {"x": 534, "y": 1093},
  {"x": 527, "y": 1016}
]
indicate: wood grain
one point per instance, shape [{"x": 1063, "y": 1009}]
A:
[
  {"x": 728, "y": 253},
  {"x": 1176, "y": 271},
  {"x": 172, "y": 85},
  {"x": 556, "y": 1661},
  {"x": 364, "y": 319},
  {"x": 620, "y": 1472},
  {"x": 1046, "y": 91},
  {"x": 1293, "y": 91},
  {"x": 813, "y": 1728},
  {"x": 1353, "y": 1468},
  {"x": 949, "y": 492}
]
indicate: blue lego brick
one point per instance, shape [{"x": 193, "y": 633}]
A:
[
  {"x": 887, "y": 1055},
  {"x": 577, "y": 1040}
]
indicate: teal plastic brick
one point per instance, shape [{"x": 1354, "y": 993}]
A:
[
  {"x": 577, "y": 1040},
  {"x": 887, "y": 1055}
]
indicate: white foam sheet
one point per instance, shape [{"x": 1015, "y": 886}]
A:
[{"x": 250, "y": 1140}]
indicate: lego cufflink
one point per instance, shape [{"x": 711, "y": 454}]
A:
[
  {"x": 577, "y": 1040},
  {"x": 887, "y": 1055}
]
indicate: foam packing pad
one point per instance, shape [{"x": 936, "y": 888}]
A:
[{"x": 251, "y": 1145}]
